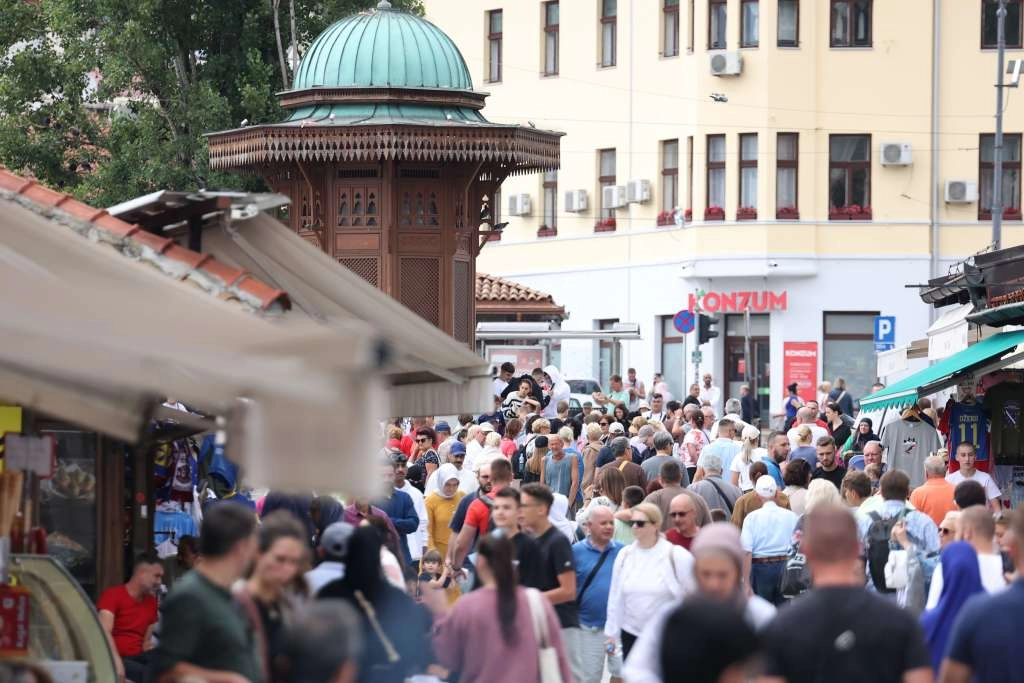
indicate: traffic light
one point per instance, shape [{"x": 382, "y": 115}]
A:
[{"x": 706, "y": 328}]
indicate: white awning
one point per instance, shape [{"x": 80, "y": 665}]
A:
[
  {"x": 91, "y": 337},
  {"x": 431, "y": 373},
  {"x": 948, "y": 334}
]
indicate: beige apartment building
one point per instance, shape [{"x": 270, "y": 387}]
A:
[{"x": 826, "y": 152}]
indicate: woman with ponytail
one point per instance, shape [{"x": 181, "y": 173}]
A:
[{"x": 469, "y": 639}]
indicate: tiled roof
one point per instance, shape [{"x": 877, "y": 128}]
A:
[
  {"x": 493, "y": 288},
  {"x": 495, "y": 295},
  {"x": 162, "y": 253}
]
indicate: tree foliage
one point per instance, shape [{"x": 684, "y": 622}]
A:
[{"x": 173, "y": 70}]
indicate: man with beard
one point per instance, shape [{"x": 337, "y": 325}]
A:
[{"x": 718, "y": 570}]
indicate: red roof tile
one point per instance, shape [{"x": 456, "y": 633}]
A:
[
  {"x": 238, "y": 283},
  {"x": 493, "y": 288}
]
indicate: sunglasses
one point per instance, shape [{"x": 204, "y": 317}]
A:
[
  {"x": 673, "y": 515},
  {"x": 604, "y": 424},
  {"x": 945, "y": 531},
  {"x": 639, "y": 523},
  {"x": 423, "y": 440}
]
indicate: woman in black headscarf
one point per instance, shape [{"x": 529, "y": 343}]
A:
[
  {"x": 397, "y": 629},
  {"x": 865, "y": 433},
  {"x": 325, "y": 511}
]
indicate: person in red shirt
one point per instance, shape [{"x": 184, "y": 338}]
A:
[
  {"x": 478, "y": 516},
  {"x": 128, "y": 613},
  {"x": 684, "y": 521}
]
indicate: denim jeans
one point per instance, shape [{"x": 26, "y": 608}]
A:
[{"x": 764, "y": 580}]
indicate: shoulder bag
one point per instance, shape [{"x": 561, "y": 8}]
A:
[
  {"x": 593, "y": 573},
  {"x": 718, "y": 488},
  {"x": 550, "y": 669}
]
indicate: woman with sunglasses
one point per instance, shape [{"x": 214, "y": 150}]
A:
[
  {"x": 647, "y": 574},
  {"x": 423, "y": 453}
]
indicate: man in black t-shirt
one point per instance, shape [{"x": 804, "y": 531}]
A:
[
  {"x": 505, "y": 514},
  {"x": 838, "y": 631},
  {"x": 829, "y": 467},
  {"x": 557, "y": 568}
]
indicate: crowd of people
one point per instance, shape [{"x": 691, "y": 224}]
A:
[{"x": 644, "y": 539}]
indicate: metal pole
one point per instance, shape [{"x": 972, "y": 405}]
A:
[
  {"x": 997, "y": 149},
  {"x": 696, "y": 344}
]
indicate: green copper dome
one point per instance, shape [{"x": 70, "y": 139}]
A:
[{"x": 383, "y": 48}]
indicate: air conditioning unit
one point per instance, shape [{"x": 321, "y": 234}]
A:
[
  {"x": 575, "y": 201},
  {"x": 726, "y": 64},
  {"x": 519, "y": 205},
  {"x": 613, "y": 197},
  {"x": 896, "y": 154},
  {"x": 638, "y": 191},
  {"x": 961, "y": 191}
]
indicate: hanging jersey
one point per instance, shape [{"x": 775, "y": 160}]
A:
[{"x": 968, "y": 423}]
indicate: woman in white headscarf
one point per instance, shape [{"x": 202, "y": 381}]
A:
[
  {"x": 557, "y": 517},
  {"x": 441, "y": 505}
]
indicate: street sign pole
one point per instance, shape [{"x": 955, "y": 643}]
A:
[{"x": 696, "y": 345}]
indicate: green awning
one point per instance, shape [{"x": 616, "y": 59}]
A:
[{"x": 946, "y": 372}]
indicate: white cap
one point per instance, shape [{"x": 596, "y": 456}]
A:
[
  {"x": 486, "y": 427},
  {"x": 766, "y": 486},
  {"x": 750, "y": 432},
  {"x": 616, "y": 428}
]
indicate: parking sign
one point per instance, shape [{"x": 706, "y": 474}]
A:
[{"x": 885, "y": 332}]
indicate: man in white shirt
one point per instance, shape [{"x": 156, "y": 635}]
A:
[
  {"x": 475, "y": 437},
  {"x": 767, "y": 537},
  {"x": 732, "y": 413},
  {"x": 417, "y": 540},
  {"x": 806, "y": 416},
  {"x": 637, "y": 390},
  {"x": 467, "y": 478},
  {"x": 711, "y": 394},
  {"x": 978, "y": 528},
  {"x": 966, "y": 456},
  {"x": 332, "y": 549},
  {"x": 505, "y": 373}
]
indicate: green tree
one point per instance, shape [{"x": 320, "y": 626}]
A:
[{"x": 173, "y": 70}]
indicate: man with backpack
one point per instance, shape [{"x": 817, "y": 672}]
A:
[
  {"x": 478, "y": 516},
  {"x": 876, "y": 528}
]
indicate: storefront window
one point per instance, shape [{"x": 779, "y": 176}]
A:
[
  {"x": 68, "y": 506},
  {"x": 755, "y": 370},
  {"x": 672, "y": 344},
  {"x": 849, "y": 351},
  {"x": 609, "y": 355}
]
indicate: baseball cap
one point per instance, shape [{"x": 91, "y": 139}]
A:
[
  {"x": 616, "y": 428},
  {"x": 334, "y": 540},
  {"x": 541, "y": 441},
  {"x": 486, "y": 427},
  {"x": 458, "y": 448},
  {"x": 765, "y": 486},
  {"x": 442, "y": 427}
]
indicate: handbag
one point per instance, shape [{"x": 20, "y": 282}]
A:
[
  {"x": 796, "y": 576},
  {"x": 550, "y": 669}
]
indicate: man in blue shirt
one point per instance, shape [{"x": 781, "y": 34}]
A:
[
  {"x": 767, "y": 537},
  {"x": 985, "y": 640},
  {"x": 595, "y": 557},
  {"x": 399, "y": 508},
  {"x": 776, "y": 454}
]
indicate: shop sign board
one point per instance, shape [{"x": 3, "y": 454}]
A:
[
  {"x": 15, "y": 607},
  {"x": 525, "y": 358},
  {"x": 738, "y": 302},
  {"x": 800, "y": 365}
]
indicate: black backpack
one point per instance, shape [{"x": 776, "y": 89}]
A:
[
  {"x": 519, "y": 459},
  {"x": 878, "y": 545}
]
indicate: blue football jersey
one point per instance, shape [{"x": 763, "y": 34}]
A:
[{"x": 968, "y": 423}]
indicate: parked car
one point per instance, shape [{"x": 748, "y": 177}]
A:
[{"x": 582, "y": 391}]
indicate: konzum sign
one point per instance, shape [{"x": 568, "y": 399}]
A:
[{"x": 737, "y": 302}]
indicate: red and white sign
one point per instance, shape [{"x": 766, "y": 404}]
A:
[
  {"x": 737, "y": 302},
  {"x": 800, "y": 365},
  {"x": 15, "y": 607}
]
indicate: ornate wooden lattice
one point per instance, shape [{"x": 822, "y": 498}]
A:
[
  {"x": 365, "y": 267},
  {"x": 462, "y": 290},
  {"x": 516, "y": 150},
  {"x": 358, "y": 207},
  {"x": 419, "y": 209},
  {"x": 420, "y": 287}
]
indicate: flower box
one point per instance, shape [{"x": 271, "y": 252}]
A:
[
  {"x": 787, "y": 213},
  {"x": 545, "y": 231},
  {"x": 666, "y": 218},
  {"x": 1011, "y": 214},
  {"x": 688, "y": 216},
  {"x": 492, "y": 236},
  {"x": 746, "y": 213},
  {"x": 714, "y": 213},
  {"x": 605, "y": 225},
  {"x": 854, "y": 212}
]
